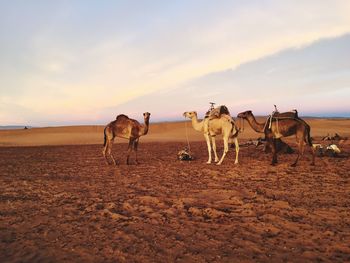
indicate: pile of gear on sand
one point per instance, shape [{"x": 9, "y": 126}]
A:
[
  {"x": 332, "y": 150},
  {"x": 184, "y": 155}
]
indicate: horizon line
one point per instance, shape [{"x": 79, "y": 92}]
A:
[{"x": 22, "y": 126}]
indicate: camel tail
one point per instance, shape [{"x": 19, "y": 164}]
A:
[
  {"x": 309, "y": 139},
  {"x": 105, "y": 137},
  {"x": 234, "y": 128}
]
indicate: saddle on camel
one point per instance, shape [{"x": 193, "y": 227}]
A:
[
  {"x": 276, "y": 116},
  {"x": 214, "y": 113}
]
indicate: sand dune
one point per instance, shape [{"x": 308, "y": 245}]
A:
[{"x": 159, "y": 132}]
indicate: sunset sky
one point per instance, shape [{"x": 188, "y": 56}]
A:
[{"x": 84, "y": 62}]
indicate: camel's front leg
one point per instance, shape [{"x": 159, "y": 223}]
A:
[
  {"x": 214, "y": 148},
  {"x": 274, "y": 151},
  {"x": 237, "y": 149},
  {"x": 136, "y": 144},
  {"x": 206, "y": 136},
  {"x": 225, "y": 151}
]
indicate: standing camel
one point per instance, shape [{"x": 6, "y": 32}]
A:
[
  {"x": 282, "y": 127},
  {"x": 126, "y": 128},
  {"x": 211, "y": 127}
]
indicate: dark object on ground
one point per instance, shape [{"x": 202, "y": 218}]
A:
[
  {"x": 256, "y": 142},
  {"x": 184, "y": 155},
  {"x": 281, "y": 146}
]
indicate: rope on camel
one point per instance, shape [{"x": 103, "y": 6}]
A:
[{"x": 188, "y": 141}]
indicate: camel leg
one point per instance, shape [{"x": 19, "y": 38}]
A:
[
  {"x": 110, "y": 144},
  {"x": 209, "y": 147},
  {"x": 237, "y": 149},
  {"x": 214, "y": 148},
  {"x": 313, "y": 155},
  {"x": 273, "y": 145},
  {"x": 300, "y": 152},
  {"x": 309, "y": 143},
  {"x": 105, "y": 147},
  {"x": 136, "y": 144},
  {"x": 130, "y": 148},
  {"x": 225, "y": 151}
]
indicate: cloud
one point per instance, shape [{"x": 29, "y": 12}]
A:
[
  {"x": 313, "y": 79},
  {"x": 85, "y": 56}
]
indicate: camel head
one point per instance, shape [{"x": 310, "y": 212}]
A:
[
  {"x": 245, "y": 114},
  {"x": 190, "y": 114},
  {"x": 146, "y": 115}
]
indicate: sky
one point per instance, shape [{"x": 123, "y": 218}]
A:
[{"x": 84, "y": 62}]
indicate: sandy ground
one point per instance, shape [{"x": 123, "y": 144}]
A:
[{"x": 64, "y": 204}]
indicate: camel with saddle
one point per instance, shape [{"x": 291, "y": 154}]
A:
[
  {"x": 279, "y": 125},
  {"x": 217, "y": 121}
]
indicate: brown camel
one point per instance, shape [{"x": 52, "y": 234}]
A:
[
  {"x": 282, "y": 127},
  {"x": 126, "y": 128},
  {"x": 212, "y": 126}
]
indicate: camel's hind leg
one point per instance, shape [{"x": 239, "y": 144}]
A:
[
  {"x": 300, "y": 152},
  {"x": 105, "y": 148},
  {"x": 237, "y": 149},
  {"x": 107, "y": 151},
  {"x": 225, "y": 150},
  {"x": 130, "y": 149},
  {"x": 214, "y": 148},
  {"x": 308, "y": 141},
  {"x": 206, "y": 136},
  {"x": 110, "y": 144}
]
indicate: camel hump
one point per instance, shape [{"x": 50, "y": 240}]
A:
[
  {"x": 218, "y": 112},
  {"x": 121, "y": 116},
  {"x": 224, "y": 110}
]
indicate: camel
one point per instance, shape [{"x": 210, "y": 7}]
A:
[
  {"x": 282, "y": 127},
  {"x": 126, "y": 128},
  {"x": 212, "y": 126}
]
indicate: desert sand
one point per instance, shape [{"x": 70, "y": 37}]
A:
[{"x": 60, "y": 202}]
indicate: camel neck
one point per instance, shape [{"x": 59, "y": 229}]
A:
[
  {"x": 145, "y": 127},
  {"x": 198, "y": 126},
  {"x": 258, "y": 127}
]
